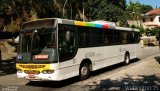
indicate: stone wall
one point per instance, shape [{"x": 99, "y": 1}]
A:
[{"x": 7, "y": 50}]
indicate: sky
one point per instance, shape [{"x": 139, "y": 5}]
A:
[{"x": 153, "y": 3}]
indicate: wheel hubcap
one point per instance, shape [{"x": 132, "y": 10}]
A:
[
  {"x": 84, "y": 71},
  {"x": 127, "y": 59}
]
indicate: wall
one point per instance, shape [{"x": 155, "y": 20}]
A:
[{"x": 151, "y": 24}]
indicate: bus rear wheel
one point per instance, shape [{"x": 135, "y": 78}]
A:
[
  {"x": 126, "y": 59},
  {"x": 84, "y": 71}
]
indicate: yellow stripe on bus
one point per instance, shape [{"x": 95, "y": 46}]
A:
[
  {"x": 80, "y": 23},
  {"x": 39, "y": 67}
]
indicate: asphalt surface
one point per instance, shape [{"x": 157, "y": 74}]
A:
[{"x": 9, "y": 81}]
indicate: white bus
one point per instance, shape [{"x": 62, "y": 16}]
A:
[{"x": 57, "y": 49}]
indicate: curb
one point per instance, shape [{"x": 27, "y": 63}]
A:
[{"x": 158, "y": 64}]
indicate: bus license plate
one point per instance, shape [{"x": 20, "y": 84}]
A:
[{"x": 31, "y": 76}]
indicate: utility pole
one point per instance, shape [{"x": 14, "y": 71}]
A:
[
  {"x": 71, "y": 8},
  {"x": 1, "y": 8},
  {"x": 1, "y": 4},
  {"x": 64, "y": 7},
  {"x": 1, "y": 15},
  {"x": 83, "y": 10}
]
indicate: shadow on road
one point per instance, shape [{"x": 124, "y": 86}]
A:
[
  {"x": 144, "y": 83},
  {"x": 157, "y": 59},
  {"x": 7, "y": 67},
  {"x": 54, "y": 84},
  {"x": 110, "y": 68}
]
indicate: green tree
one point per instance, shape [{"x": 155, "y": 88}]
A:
[
  {"x": 19, "y": 11},
  {"x": 74, "y": 9},
  {"x": 145, "y": 8},
  {"x": 110, "y": 10},
  {"x": 133, "y": 10},
  {"x": 123, "y": 21}
]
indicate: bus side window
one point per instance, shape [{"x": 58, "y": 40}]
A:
[
  {"x": 137, "y": 37},
  {"x": 106, "y": 40},
  {"x": 67, "y": 42},
  {"x": 117, "y": 37},
  {"x": 108, "y": 37},
  {"x": 124, "y": 37},
  {"x": 84, "y": 36},
  {"x": 131, "y": 37},
  {"x": 97, "y": 36}
]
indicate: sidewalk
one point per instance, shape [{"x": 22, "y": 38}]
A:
[
  {"x": 149, "y": 47},
  {"x": 144, "y": 76}
]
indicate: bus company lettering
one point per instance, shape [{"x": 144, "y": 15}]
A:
[
  {"x": 90, "y": 54},
  {"x": 98, "y": 55}
]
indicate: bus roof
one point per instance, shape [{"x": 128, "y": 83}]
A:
[{"x": 83, "y": 23}]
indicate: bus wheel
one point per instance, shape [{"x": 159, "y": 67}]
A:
[
  {"x": 84, "y": 71},
  {"x": 126, "y": 59}
]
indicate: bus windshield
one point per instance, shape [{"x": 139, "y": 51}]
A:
[
  {"x": 38, "y": 46},
  {"x": 38, "y": 39}
]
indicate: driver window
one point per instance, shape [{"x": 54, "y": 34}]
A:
[{"x": 67, "y": 42}]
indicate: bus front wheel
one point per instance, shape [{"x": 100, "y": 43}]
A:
[{"x": 84, "y": 71}]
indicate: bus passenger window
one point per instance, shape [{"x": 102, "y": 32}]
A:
[
  {"x": 108, "y": 37},
  {"x": 97, "y": 37},
  {"x": 124, "y": 37},
  {"x": 84, "y": 36},
  {"x": 106, "y": 40}
]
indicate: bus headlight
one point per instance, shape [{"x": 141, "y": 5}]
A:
[
  {"x": 48, "y": 71},
  {"x": 19, "y": 71}
]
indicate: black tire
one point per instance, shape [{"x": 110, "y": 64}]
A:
[
  {"x": 126, "y": 59},
  {"x": 84, "y": 71}
]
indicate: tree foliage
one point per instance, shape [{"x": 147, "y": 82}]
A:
[
  {"x": 145, "y": 8},
  {"x": 19, "y": 11},
  {"x": 135, "y": 9},
  {"x": 110, "y": 10}
]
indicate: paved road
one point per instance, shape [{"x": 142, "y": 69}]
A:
[{"x": 10, "y": 82}]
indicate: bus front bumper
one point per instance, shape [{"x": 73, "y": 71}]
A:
[{"x": 39, "y": 77}]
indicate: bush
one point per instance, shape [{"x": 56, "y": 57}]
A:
[
  {"x": 141, "y": 29},
  {"x": 152, "y": 32},
  {"x": 148, "y": 32}
]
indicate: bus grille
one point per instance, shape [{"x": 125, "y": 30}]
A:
[
  {"x": 32, "y": 66},
  {"x": 31, "y": 71}
]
